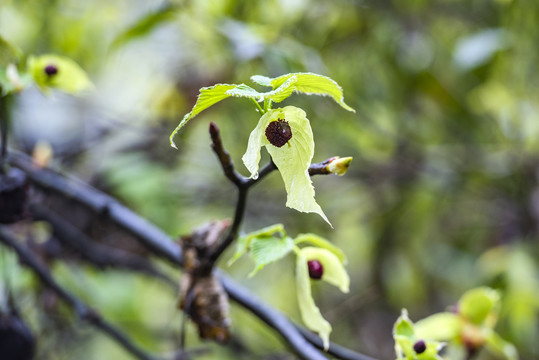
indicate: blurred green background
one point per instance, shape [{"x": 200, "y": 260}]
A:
[{"x": 442, "y": 194}]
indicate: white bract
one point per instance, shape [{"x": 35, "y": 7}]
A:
[
  {"x": 333, "y": 273},
  {"x": 293, "y": 159}
]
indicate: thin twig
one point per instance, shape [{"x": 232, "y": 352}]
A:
[
  {"x": 224, "y": 157},
  {"x": 242, "y": 184},
  {"x": 320, "y": 168},
  {"x": 81, "y": 309}
]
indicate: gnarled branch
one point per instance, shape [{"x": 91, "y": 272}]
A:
[{"x": 163, "y": 246}]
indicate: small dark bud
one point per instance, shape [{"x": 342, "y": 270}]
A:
[
  {"x": 51, "y": 70},
  {"x": 278, "y": 132},
  {"x": 316, "y": 270},
  {"x": 420, "y": 347},
  {"x": 13, "y": 195},
  {"x": 214, "y": 130}
]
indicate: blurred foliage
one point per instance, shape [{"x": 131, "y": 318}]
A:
[{"x": 442, "y": 195}]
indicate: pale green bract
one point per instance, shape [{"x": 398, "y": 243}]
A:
[
  {"x": 271, "y": 243},
  {"x": 440, "y": 326},
  {"x": 292, "y": 159},
  {"x": 71, "y": 78},
  {"x": 334, "y": 273},
  {"x": 282, "y": 87},
  {"x": 480, "y": 305},
  {"x": 320, "y": 242}
]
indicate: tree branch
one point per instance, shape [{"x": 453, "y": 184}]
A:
[
  {"x": 160, "y": 244},
  {"x": 91, "y": 251},
  {"x": 146, "y": 233},
  {"x": 81, "y": 309}
]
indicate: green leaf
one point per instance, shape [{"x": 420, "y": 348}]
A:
[
  {"x": 277, "y": 95},
  {"x": 283, "y": 87},
  {"x": 208, "y": 96},
  {"x": 334, "y": 272},
  {"x": 211, "y": 95},
  {"x": 145, "y": 25},
  {"x": 499, "y": 346},
  {"x": 309, "y": 83},
  {"x": 262, "y": 80},
  {"x": 320, "y": 242},
  {"x": 266, "y": 250},
  {"x": 477, "y": 304},
  {"x": 70, "y": 78},
  {"x": 9, "y": 54},
  {"x": 441, "y": 326},
  {"x": 292, "y": 159},
  {"x": 310, "y": 313},
  {"x": 244, "y": 242}
]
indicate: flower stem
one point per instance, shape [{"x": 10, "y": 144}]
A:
[{"x": 260, "y": 110}]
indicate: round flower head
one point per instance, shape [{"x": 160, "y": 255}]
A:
[
  {"x": 316, "y": 270},
  {"x": 278, "y": 132},
  {"x": 51, "y": 70}
]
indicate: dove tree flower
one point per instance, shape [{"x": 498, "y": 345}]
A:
[
  {"x": 285, "y": 132},
  {"x": 292, "y": 157},
  {"x": 409, "y": 345},
  {"x": 320, "y": 260},
  {"x": 46, "y": 71},
  {"x": 470, "y": 327},
  {"x": 53, "y": 71}
]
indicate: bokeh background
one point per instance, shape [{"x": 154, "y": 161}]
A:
[{"x": 442, "y": 194}]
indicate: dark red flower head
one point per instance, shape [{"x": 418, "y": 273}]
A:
[
  {"x": 420, "y": 347},
  {"x": 278, "y": 132},
  {"x": 51, "y": 70},
  {"x": 316, "y": 270}
]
